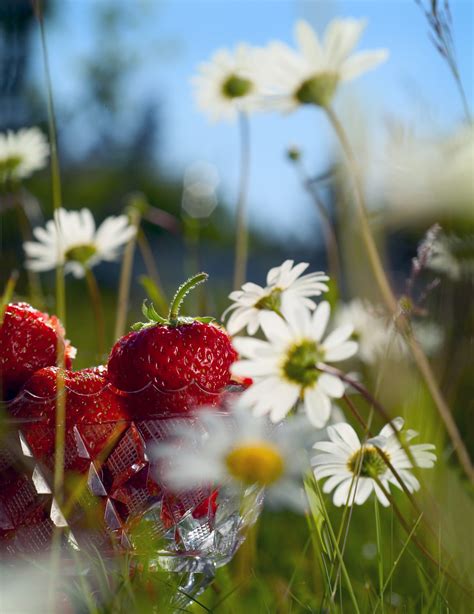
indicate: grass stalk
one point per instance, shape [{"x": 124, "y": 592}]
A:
[
  {"x": 378, "y": 532},
  {"x": 60, "y": 418},
  {"x": 34, "y": 282},
  {"x": 152, "y": 270},
  {"x": 416, "y": 541},
  {"x": 241, "y": 230},
  {"x": 126, "y": 275},
  {"x": 8, "y": 293},
  {"x": 330, "y": 242},
  {"x": 397, "y": 560},
  {"x": 96, "y": 301},
  {"x": 338, "y": 553},
  {"x": 56, "y": 191},
  {"x": 392, "y": 304}
]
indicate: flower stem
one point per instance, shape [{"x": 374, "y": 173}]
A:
[
  {"x": 378, "y": 532},
  {"x": 152, "y": 269},
  {"x": 60, "y": 282},
  {"x": 415, "y": 540},
  {"x": 335, "y": 544},
  {"x": 96, "y": 301},
  {"x": 391, "y": 302},
  {"x": 329, "y": 235},
  {"x": 34, "y": 282},
  {"x": 126, "y": 275},
  {"x": 241, "y": 230},
  {"x": 7, "y": 294},
  {"x": 55, "y": 170},
  {"x": 368, "y": 239}
]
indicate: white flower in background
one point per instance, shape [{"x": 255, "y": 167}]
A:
[
  {"x": 377, "y": 336},
  {"x": 22, "y": 153},
  {"x": 286, "y": 289},
  {"x": 236, "y": 450},
  {"x": 228, "y": 84},
  {"x": 372, "y": 331},
  {"x": 429, "y": 179},
  {"x": 353, "y": 468},
  {"x": 72, "y": 240},
  {"x": 453, "y": 256},
  {"x": 312, "y": 74},
  {"x": 286, "y": 368}
]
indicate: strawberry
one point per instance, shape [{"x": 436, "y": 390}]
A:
[
  {"x": 172, "y": 365},
  {"x": 29, "y": 340},
  {"x": 174, "y": 507},
  {"x": 94, "y": 414}
]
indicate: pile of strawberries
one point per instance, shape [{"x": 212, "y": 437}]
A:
[{"x": 166, "y": 367}]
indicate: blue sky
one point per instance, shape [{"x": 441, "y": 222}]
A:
[{"x": 167, "y": 39}]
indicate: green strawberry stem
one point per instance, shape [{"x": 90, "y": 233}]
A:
[
  {"x": 173, "y": 318},
  {"x": 181, "y": 294}
]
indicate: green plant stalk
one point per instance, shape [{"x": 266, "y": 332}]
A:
[
  {"x": 152, "y": 269},
  {"x": 315, "y": 529},
  {"x": 5, "y": 299},
  {"x": 319, "y": 546},
  {"x": 392, "y": 304},
  {"x": 329, "y": 235},
  {"x": 96, "y": 302},
  {"x": 415, "y": 540},
  {"x": 34, "y": 282},
  {"x": 60, "y": 283},
  {"x": 378, "y": 532},
  {"x": 60, "y": 418},
  {"x": 338, "y": 552},
  {"x": 397, "y": 560},
  {"x": 241, "y": 230},
  {"x": 344, "y": 528},
  {"x": 126, "y": 276},
  {"x": 8, "y": 293}
]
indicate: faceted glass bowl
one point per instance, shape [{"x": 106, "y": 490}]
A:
[{"x": 113, "y": 496}]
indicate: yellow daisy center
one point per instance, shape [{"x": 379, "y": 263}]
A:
[
  {"x": 318, "y": 90},
  {"x": 9, "y": 165},
  {"x": 236, "y": 87},
  {"x": 368, "y": 462},
  {"x": 271, "y": 301},
  {"x": 300, "y": 364},
  {"x": 258, "y": 462},
  {"x": 81, "y": 253}
]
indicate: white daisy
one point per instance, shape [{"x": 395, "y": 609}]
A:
[
  {"x": 377, "y": 335},
  {"x": 72, "y": 240},
  {"x": 235, "y": 450},
  {"x": 426, "y": 179},
  {"x": 22, "y": 153},
  {"x": 228, "y": 83},
  {"x": 371, "y": 329},
  {"x": 286, "y": 289},
  {"x": 286, "y": 368},
  {"x": 311, "y": 76},
  {"x": 353, "y": 468}
]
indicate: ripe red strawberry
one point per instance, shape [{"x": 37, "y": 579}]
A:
[
  {"x": 172, "y": 365},
  {"x": 29, "y": 340},
  {"x": 174, "y": 507},
  {"x": 93, "y": 414}
]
